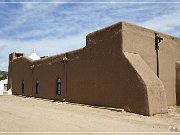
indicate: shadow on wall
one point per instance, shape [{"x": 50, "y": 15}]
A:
[
  {"x": 177, "y": 82},
  {"x": 76, "y": 104}
]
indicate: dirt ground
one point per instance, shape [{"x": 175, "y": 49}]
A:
[{"x": 39, "y": 116}]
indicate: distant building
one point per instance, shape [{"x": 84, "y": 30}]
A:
[
  {"x": 3, "y": 86},
  {"x": 117, "y": 68}
]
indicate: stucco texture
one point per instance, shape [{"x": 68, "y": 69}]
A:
[
  {"x": 47, "y": 72},
  {"x": 21, "y": 71},
  {"x": 141, "y": 40},
  {"x": 116, "y": 68}
]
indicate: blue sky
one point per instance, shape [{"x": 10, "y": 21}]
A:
[{"x": 53, "y": 28}]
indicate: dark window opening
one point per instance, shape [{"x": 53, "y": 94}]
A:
[
  {"x": 19, "y": 54},
  {"x": 22, "y": 86},
  {"x": 37, "y": 87},
  {"x": 58, "y": 87}
]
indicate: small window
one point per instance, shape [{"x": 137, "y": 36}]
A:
[
  {"x": 37, "y": 87},
  {"x": 22, "y": 86},
  {"x": 58, "y": 87}
]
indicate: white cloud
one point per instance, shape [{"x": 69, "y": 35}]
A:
[
  {"x": 165, "y": 22},
  {"x": 57, "y": 28}
]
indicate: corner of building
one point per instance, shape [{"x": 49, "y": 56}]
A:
[{"x": 155, "y": 96}]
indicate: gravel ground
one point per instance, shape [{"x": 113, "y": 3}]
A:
[{"x": 22, "y": 115}]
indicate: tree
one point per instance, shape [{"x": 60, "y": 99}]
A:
[{"x": 3, "y": 77}]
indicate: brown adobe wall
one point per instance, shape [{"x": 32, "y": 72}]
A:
[
  {"x": 155, "y": 89},
  {"x": 21, "y": 70},
  {"x": 102, "y": 75},
  {"x": 178, "y": 82},
  {"x": 141, "y": 40},
  {"x": 99, "y": 74},
  {"x": 47, "y": 72},
  {"x": 12, "y": 57},
  {"x": 10, "y": 73}
]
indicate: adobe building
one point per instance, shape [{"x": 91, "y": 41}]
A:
[{"x": 116, "y": 68}]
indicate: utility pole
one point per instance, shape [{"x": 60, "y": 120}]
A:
[{"x": 158, "y": 39}]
